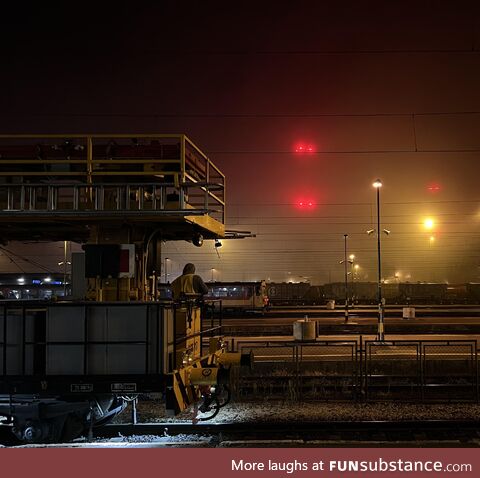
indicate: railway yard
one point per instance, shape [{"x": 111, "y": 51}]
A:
[
  {"x": 119, "y": 356},
  {"x": 418, "y": 388},
  {"x": 240, "y": 239}
]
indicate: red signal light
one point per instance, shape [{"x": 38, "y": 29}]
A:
[
  {"x": 434, "y": 188},
  {"x": 302, "y": 148},
  {"x": 305, "y": 204}
]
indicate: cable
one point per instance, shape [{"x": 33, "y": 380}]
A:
[
  {"x": 248, "y": 115},
  {"x": 351, "y": 151},
  {"x": 25, "y": 259},
  {"x": 14, "y": 261},
  {"x": 318, "y": 251},
  {"x": 470, "y": 50},
  {"x": 363, "y": 233},
  {"x": 449, "y": 223},
  {"x": 453, "y": 201},
  {"x": 356, "y": 216}
]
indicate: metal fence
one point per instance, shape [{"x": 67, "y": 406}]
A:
[{"x": 358, "y": 370}]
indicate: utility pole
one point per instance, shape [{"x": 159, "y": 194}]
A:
[
  {"x": 381, "y": 327},
  {"x": 345, "y": 262}
]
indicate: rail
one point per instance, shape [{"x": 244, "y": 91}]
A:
[{"x": 288, "y": 429}]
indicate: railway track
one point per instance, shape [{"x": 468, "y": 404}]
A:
[
  {"x": 281, "y": 325},
  {"x": 297, "y": 434},
  {"x": 263, "y": 329},
  {"x": 392, "y": 433},
  {"x": 276, "y": 313}
]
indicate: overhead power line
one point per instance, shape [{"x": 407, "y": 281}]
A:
[
  {"x": 359, "y": 203},
  {"x": 24, "y": 259},
  {"x": 244, "y": 115},
  {"x": 355, "y": 223},
  {"x": 367, "y": 51},
  {"x": 351, "y": 151},
  {"x": 356, "y": 216}
]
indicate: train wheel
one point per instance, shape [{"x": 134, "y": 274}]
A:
[
  {"x": 224, "y": 395},
  {"x": 39, "y": 431},
  {"x": 73, "y": 428}
]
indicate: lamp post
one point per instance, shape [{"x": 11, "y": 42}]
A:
[
  {"x": 64, "y": 269},
  {"x": 165, "y": 269},
  {"x": 212, "y": 270},
  {"x": 356, "y": 267},
  {"x": 64, "y": 263},
  {"x": 352, "y": 291},
  {"x": 381, "y": 329},
  {"x": 345, "y": 237}
]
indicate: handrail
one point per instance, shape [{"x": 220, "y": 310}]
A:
[
  {"x": 89, "y": 141},
  {"x": 76, "y": 170},
  {"x": 104, "y": 196},
  {"x": 92, "y": 135},
  {"x": 212, "y": 164}
]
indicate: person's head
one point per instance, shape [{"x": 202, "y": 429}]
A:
[{"x": 189, "y": 269}]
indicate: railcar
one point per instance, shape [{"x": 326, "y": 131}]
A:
[
  {"x": 456, "y": 294},
  {"x": 239, "y": 296},
  {"x": 473, "y": 292},
  {"x": 402, "y": 293},
  {"x": 288, "y": 293},
  {"x": 68, "y": 366},
  {"x": 423, "y": 293},
  {"x": 315, "y": 295}
]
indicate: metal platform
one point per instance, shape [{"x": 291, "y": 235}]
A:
[{"x": 56, "y": 187}]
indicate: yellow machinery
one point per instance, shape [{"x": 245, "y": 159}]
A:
[
  {"x": 203, "y": 377},
  {"x": 121, "y": 196},
  {"x": 136, "y": 190}
]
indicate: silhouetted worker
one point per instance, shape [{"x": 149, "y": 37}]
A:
[{"x": 188, "y": 283}]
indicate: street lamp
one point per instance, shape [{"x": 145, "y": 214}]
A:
[
  {"x": 345, "y": 262},
  {"x": 217, "y": 245},
  {"x": 429, "y": 223},
  {"x": 213, "y": 270},
  {"x": 381, "y": 328}
]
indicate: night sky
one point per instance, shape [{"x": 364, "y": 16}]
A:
[{"x": 376, "y": 89}]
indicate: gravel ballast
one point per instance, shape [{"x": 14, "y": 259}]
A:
[{"x": 285, "y": 411}]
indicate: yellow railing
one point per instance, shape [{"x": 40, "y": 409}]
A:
[
  {"x": 171, "y": 160},
  {"x": 76, "y": 155}
]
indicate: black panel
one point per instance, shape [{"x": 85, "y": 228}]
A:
[
  {"x": 39, "y": 339},
  {"x": 102, "y": 260}
]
